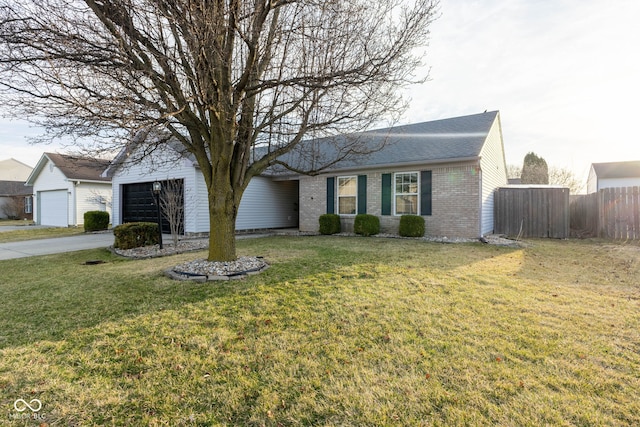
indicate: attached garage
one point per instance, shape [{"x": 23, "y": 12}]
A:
[
  {"x": 53, "y": 208},
  {"x": 139, "y": 205},
  {"x": 65, "y": 187}
]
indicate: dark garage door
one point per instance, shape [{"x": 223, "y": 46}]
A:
[{"x": 138, "y": 204}]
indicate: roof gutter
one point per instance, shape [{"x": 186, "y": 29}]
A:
[{"x": 387, "y": 166}]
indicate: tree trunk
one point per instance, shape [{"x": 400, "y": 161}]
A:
[{"x": 223, "y": 210}]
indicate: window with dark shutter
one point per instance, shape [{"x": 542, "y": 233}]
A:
[
  {"x": 331, "y": 195},
  {"x": 425, "y": 192},
  {"x": 362, "y": 194},
  {"x": 386, "y": 194}
]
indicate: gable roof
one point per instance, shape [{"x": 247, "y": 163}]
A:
[
  {"x": 438, "y": 141},
  {"x": 617, "y": 169},
  {"x": 14, "y": 188},
  {"x": 73, "y": 167}
]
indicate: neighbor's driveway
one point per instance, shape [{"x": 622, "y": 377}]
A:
[{"x": 55, "y": 245}]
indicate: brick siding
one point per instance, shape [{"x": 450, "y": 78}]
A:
[{"x": 455, "y": 196}]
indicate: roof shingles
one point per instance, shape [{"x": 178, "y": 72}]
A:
[{"x": 80, "y": 168}]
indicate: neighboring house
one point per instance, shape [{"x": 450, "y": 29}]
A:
[
  {"x": 444, "y": 170},
  {"x": 15, "y": 200},
  {"x": 14, "y": 170},
  {"x": 613, "y": 174},
  {"x": 66, "y": 186},
  {"x": 266, "y": 203},
  {"x": 15, "y": 197}
]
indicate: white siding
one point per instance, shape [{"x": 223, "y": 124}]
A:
[
  {"x": 268, "y": 204},
  {"x": 618, "y": 182},
  {"x": 144, "y": 172},
  {"x": 592, "y": 181},
  {"x": 494, "y": 174},
  {"x": 265, "y": 203},
  {"x": 91, "y": 197},
  {"x": 50, "y": 178}
]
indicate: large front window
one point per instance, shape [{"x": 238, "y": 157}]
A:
[
  {"x": 406, "y": 193},
  {"x": 347, "y": 194}
]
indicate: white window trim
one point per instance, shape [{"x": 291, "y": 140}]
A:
[
  {"x": 28, "y": 204},
  {"x": 338, "y": 194},
  {"x": 394, "y": 194}
]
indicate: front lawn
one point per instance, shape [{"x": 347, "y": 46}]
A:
[
  {"x": 33, "y": 233},
  {"x": 339, "y": 331}
]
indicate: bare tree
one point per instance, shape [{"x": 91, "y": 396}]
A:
[
  {"x": 566, "y": 178},
  {"x": 172, "y": 206},
  {"x": 513, "y": 171},
  {"x": 13, "y": 207},
  {"x": 221, "y": 77}
]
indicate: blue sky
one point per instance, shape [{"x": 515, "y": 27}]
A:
[{"x": 565, "y": 75}]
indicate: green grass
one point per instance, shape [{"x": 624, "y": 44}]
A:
[
  {"x": 29, "y": 233},
  {"x": 339, "y": 331}
]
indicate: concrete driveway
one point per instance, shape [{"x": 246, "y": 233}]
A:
[{"x": 55, "y": 245}]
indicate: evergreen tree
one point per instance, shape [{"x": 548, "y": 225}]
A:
[{"x": 534, "y": 170}]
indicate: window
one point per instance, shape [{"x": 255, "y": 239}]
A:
[
  {"x": 347, "y": 195},
  {"x": 406, "y": 193},
  {"x": 28, "y": 204}
]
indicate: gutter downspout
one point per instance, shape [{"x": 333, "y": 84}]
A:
[{"x": 480, "y": 204}]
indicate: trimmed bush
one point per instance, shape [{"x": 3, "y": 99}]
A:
[
  {"x": 411, "y": 226},
  {"x": 330, "y": 224},
  {"x": 96, "y": 220},
  {"x": 366, "y": 225},
  {"x": 135, "y": 235}
]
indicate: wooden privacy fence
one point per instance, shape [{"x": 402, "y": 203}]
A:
[
  {"x": 612, "y": 213},
  {"x": 532, "y": 212}
]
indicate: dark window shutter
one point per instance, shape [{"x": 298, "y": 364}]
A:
[
  {"x": 386, "y": 194},
  {"x": 425, "y": 193},
  {"x": 362, "y": 194},
  {"x": 331, "y": 195}
]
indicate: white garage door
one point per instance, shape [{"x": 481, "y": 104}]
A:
[{"x": 53, "y": 208}]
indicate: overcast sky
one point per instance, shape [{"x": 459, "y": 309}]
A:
[{"x": 564, "y": 74}]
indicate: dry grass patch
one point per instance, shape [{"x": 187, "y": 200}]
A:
[
  {"x": 31, "y": 233},
  {"x": 339, "y": 331}
]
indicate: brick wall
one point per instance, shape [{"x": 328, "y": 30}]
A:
[{"x": 455, "y": 195}]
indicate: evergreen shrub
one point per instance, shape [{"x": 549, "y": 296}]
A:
[
  {"x": 135, "y": 235},
  {"x": 366, "y": 225},
  {"x": 329, "y": 224},
  {"x": 411, "y": 226},
  {"x": 96, "y": 220}
]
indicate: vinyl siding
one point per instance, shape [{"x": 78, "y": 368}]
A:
[
  {"x": 268, "y": 204},
  {"x": 618, "y": 182},
  {"x": 50, "y": 179},
  {"x": 143, "y": 172},
  {"x": 265, "y": 203},
  {"x": 88, "y": 199},
  {"x": 493, "y": 174}
]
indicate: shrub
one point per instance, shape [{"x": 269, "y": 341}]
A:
[
  {"x": 96, "y": 220},
  {"x": 366, "y": 225},
  {"x": 411, "y": 226},
  {"x": 329, "y": 224},
  {"x": 135, "y": 235}
]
